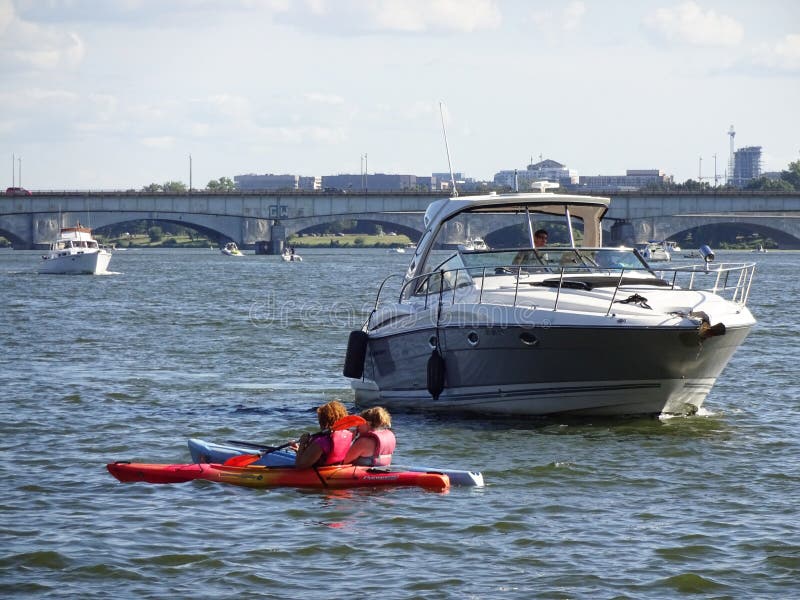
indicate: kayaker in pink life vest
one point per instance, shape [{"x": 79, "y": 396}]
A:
[
  {"x": 327, "y": 449},
  {"x": 375, "y": 443}
]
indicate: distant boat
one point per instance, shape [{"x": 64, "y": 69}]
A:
[
  {"x": 656, "y": 252},
  {"x": 404, "y": 249},
  {"x": 75, "y": 252},
  {"x": 760, "y": 249},
  {"x": 231, "y": 249},
  {"x": 473, "y": 245},
  {"x": 290, "y": 256}
]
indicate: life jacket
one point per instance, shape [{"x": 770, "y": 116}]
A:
[
  {"x": 336, "y": 449},
  {"x": 384, "y": 448}
]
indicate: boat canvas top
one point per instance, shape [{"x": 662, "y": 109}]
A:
[{"x": 589, "y": 209}]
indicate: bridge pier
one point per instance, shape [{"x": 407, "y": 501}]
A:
[
  {"x": 276, "y": 242},
  {"x": 622, "y": 234}
]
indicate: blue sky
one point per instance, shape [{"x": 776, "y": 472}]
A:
[{"x": 116, "y": 94}]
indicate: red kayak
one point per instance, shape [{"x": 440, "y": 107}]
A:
[{"x": 330, "y": 477}]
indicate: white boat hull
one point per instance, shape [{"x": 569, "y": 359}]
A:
[{"x": 89, "y": 263}]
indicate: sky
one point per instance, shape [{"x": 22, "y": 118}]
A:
[{"x": 118, "y": 94}]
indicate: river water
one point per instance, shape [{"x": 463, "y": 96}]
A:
[{"x": 180, "y": 344}]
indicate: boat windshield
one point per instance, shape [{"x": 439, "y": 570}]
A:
[
  {"x": 544, "y": 258},
  {"x": 459, "y": 269},
  {"x": 505, "y": 227}
]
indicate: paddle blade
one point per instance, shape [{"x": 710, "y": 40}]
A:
[
  {"x": 242, "y": 460},
  {"x": 348, "y": 422}
]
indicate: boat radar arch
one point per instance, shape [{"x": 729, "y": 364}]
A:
[{"x": 543, "y": 186}]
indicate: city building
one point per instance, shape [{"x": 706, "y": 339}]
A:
[
  {"x": 746, "y": 165},
  {"x": 634, "y": 179},
  {"x": 545, "y": 170},
  {"x": 441, "y": 182},
  {"x": 277, "y": 182},
  {"x": 371, "y": 182}
]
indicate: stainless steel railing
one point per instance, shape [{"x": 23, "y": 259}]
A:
[{"x": 732, "y": 281}]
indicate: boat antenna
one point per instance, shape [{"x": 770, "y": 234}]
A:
[{"x": 447, "y": 149}]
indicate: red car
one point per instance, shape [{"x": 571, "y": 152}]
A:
[{"x": 17, "y": 191}]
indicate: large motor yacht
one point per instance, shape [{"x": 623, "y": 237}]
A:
[
  {"x": 75, "y": 251},
  {"x": 571, "y": 328}
]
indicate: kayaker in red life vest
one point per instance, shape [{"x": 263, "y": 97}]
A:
[
  {"x": 375, "y": 443},
  {"x": 328, "y": 449}
]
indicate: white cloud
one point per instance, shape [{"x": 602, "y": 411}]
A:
[
  {"x": 164, "y": 141},
  {"x": 550, "y": 19},
  {"x": 302, "y": 135},
  {"x": 782, "y": 56},
  {"x": 423, "y": 15},
  {"x": 345, "y": 17},
  {"x": 688, "y": 23},
  {"x": 6, "y": 14},
  {"x": 230, "y": 105},
  {"x": 572, "y": 15},
  {"x": 323, "y": 98},
  {"x": 26, "y": 45}
]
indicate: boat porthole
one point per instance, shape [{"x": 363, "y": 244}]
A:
[
  {"x": 528, "y": 338},
  {"x": 472, "y": 338},
  {"x": 432, "y": 342}
]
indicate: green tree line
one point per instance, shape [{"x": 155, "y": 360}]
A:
[{"x": 223, "y": 184}]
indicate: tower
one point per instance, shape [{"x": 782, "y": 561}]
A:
[{"x": 731, "y": 180}]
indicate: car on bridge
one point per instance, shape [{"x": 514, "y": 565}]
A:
[{"x": 17, "y": 191}]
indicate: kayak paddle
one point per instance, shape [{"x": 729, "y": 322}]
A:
[{"x": 347, "y": 422}]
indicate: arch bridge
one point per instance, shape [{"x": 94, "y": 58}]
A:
[{"x": 253, "y": 218}]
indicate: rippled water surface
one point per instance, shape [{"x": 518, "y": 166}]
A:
[{"x": 180, "y": 344}]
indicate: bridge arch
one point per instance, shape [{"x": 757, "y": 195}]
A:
[
  {"x": 16, "y": 241},
  {"x": 409, "y": 224},
  {"x": 204, "y": 230},
  {"x": 785, "y": 231}
]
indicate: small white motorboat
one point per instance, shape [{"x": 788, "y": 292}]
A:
[
  {"x": 231, "y": 249},
  {"x": 404, "y": 249},
  {"x": 759, "y": 250},
  {"x": 475, "y": 244},
  {"x": 289, "y": 256},
  {"x": 75, "y": 252},
  {"x": 656, "y": 252}
]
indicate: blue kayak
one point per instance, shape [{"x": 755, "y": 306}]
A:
[{"x": 209, "y": 452}]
